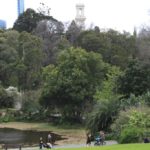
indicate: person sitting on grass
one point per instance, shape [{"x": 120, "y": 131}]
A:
[{"x": 48, "y": 145}]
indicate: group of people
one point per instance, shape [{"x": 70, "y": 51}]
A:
[
  {"x": 48, "y": 144},
  {"x": 99, "y": 140}
]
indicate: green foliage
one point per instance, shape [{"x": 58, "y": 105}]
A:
[
  {"x": 136, "y": 101},
  {"x": 5, "y": 118},
  {"x": 145, "y": 98},
  {"x": 107, "y": 103},
  {"x": 51, "y": 32},
  {"x": 30, "y": 106},
  {"x": 143, "y": 44},
  {"x": 8, "y": 57},
  {"x": 136, "y": 79},
  {"x": 7, "y": 115},
  {"x": 115, "y": 47},
  {"x": 20, "y": 59},
  {"x": 109, "y": 89},
  {"x": 29, "y": 66},
  {"x": 64, "y": 44},
  {"x": 28, "y": 20},
  {"x": 90, "y": 41},
  {"x": 72, "y": 33},
  {"x": 133, "y": 118},
  {"x": 102, "y": 115},
  {"x": 130, "y": 135},
  {"x": 6, "y": 100},
  {"x": 72, "y": 83}
]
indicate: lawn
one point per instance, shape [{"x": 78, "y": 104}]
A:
[{"x": 115, "y": 147}]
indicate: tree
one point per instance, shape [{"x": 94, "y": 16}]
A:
[
  {"x": 50, "y": 31},
  {"x": 72, "y": 33},
  {"x": 6, "y": 100},
  {"x": 8, "y": 57},
  {"x": 106, "y": 104},
  {"x": 116, "y": 48},
  {"x": 43, "y": 9},
  {"x": 28, "y": 20},
  {"x": 30, "y": 61},
  {"x": 136, "y": 79},
  {"x": 143, "y": 44},
  {"x": 132, "y": 124},
  {"x": 21, "y": 59},
  {"x": 90, "y": 41},
  {"x": 72, "y": 82},
  {"x": 122, "y": 48}
]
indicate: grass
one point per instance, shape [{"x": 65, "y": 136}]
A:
[
  {"x": 41, "y": 127},
  {"x": 115, "y": 147}
]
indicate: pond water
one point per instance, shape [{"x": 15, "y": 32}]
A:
[{"x": 25, "y": 137}]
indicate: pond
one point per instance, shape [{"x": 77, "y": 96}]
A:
[{"x": 25, "y": 137}]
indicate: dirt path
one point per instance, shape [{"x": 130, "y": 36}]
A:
[{"x": 69, "y": 146}]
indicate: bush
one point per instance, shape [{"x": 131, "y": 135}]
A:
[
  {"x": 30, "y": 106},
  {"x": 130, "y": 135},
  {"x": 5, "y": 99},
  {"x": 138, "y": 119},
  {"x": 7, "y": 117}
]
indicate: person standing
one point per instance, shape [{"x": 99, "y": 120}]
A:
[
  {"x": 102, "y": 136},
  {"x": 41, "y": 143},
  {"x": 49, "y": 138},
  {"x": 88, "y": 139}
]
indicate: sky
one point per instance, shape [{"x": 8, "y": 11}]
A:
[{"x": 121, "y": 15}]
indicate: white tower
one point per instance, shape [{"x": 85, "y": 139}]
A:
[{"x": 80, "y": 18}]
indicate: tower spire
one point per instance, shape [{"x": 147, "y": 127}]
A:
[{"x": 80, "y": 18}]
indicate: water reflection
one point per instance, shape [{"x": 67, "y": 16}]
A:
[{"x": 25, "y": 137}]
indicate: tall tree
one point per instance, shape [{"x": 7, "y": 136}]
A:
[
  {"x": 8, "y": 57},
  {"x": 30, "y": 60},
  {"x": 72, "y": 82},
  {"x": 106, "y": 104},
  {"x": 143, "y": 44},
  {"x": 28, "y": 20},
  {"x": 72, "y": 33},
  {"x": 136, "y": 79},
  {"x": 116, "y": 48},
  {"x": 51, "y": 32}
]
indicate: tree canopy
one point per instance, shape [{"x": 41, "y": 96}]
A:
[
  {"x": 28, "y": 20},
  {"x": 136, "y": 79},
  {"x": 72, "y": 82}
]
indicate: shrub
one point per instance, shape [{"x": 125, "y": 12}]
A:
[
  {"x": 7, "y": 116},
  {"x": 130, "y": 135},
  {"x": 138, "y": 119},
  {"x": 5, "y": 99}
]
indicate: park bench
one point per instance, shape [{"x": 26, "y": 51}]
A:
[{"x": 7, "y": 146}]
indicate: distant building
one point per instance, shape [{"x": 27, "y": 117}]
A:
[
  {"x": 2, "y": 24},
  {"x": 80, "y": 18},
  {"x": 20, "y": 7}
]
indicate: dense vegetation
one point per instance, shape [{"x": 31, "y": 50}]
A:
[{"x": 100, "y": 79}]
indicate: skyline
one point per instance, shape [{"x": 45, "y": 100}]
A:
[{"x": 116, "y": 14}]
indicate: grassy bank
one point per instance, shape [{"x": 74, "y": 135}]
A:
[{"x": 114, "y": 147}]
